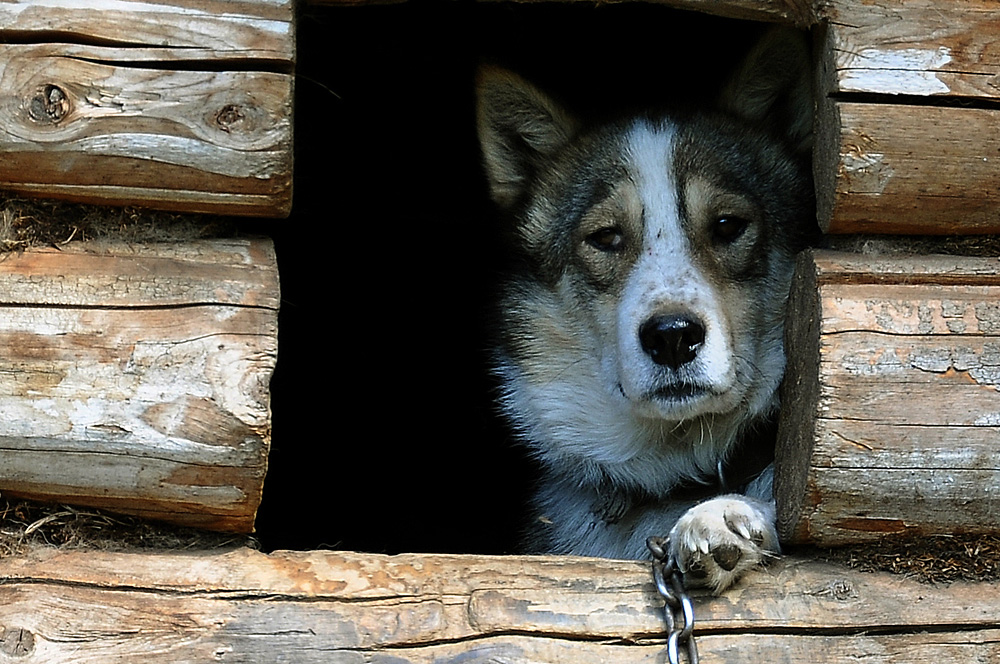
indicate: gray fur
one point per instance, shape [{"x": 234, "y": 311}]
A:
[{"x": 616, "y": 226}]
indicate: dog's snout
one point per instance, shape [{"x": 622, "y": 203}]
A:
[{"x": 671, "y": 340}]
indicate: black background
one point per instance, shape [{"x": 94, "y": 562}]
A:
[{"x": 385, "y": 438}]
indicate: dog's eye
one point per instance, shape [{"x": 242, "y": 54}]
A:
[
  {"x": 728, "y": 228},
  {"x": 607, "y": 239}
]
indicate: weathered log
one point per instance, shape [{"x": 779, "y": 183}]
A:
[
  {"x": 918, "y": 48},
  {"x": 897, "y": 168},
  {"x": 179, "y": 105},
  {"x": 891, "y": 409},
  {"x": 135, "y": 377},
  {"x": 244, "y": 606},
  {"x": 908, "y": 122}
]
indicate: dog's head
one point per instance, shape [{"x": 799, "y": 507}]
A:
[{"x": 658, "y": 248}]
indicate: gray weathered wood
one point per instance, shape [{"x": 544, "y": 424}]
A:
[
  {"x": 908, "y": 122},
  {"x": 179, "y": 105},
  {"x": 895, "y": 168},
  {"x": 135, "y": 377},
  {"x": 892, "y": 399},
  {"x": 918, "y": 48},
  {"x": 244, "y": 606}
]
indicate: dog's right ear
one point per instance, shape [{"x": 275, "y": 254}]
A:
[
  {"x": 773, "y": 87},
  {"x": 519, "y": 126}
]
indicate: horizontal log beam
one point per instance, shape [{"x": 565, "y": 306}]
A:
[
  {"x": 183, "y": 105},
  {"x": 244, "y": 606},
  {"x": 918, "y": 48},
  {"x": 903, "y": 169},
  {"x": 909, "y": 110}
]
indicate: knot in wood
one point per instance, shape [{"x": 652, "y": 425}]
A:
[
  {"x": 49, "y": 105},
  {"x": 16, "y": 642},
  {"x": 230, "y": 115}
]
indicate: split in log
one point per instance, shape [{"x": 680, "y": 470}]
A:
[
  {"x": 918, "y": 48},
  {"x": 891, "y": 409},
  {"x": 322, "y": 607},
  {"x": 135, "y": 377},
  {"x": 179, "y": 105}
]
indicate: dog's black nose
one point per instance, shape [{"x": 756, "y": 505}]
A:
[{"x": 671, "y": 340}]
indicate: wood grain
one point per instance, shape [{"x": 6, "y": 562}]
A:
[
  {"x": 244, "y": 606},
  {"x": 135, "y": 378},
  {"x": 182, "y": 105},
  {"x": 892, "y": 409},
  {"x": 903, "y": 169},
  {"x": 918, "y": 48}
]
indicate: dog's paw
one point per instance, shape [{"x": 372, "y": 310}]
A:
[{"x": 715, "y": 542}]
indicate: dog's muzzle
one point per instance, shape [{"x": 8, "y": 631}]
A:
[{"x": 671, "y": 340}]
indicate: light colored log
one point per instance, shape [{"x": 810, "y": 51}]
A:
[
  {"x": 181, "y": 105},
  {"x": 918, "y": 48},
  {"x": 891, "y": 399},
  {"x": 892, "y": 168},
  {"x": 908, "y": 119},
  {"x": 135, "y": 377},
  {"x": 243, "y": 606}
]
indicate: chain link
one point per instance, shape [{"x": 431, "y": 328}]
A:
[{"x": 678, "y": 611}]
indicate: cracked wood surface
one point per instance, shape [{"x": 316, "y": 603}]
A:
[
  {"x": 908, "y": 113},
  {"x": 179, "y": 105},
  {"x": 312, "y": 607},
  {"x": 892, "y": 399},
  {"x": 135, "y": 377}
]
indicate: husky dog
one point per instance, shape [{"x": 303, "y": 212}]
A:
[{"x": 641, "y": 341}]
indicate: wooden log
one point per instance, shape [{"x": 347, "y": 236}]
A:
[
  {"x": 918, "y": 48},
  {"x": 891, "y": 405},
  {"x": 178, "y": 105},
  {"x": 135, "y": 377},
  {"x": 244, "y": 606},
  {"x": 908, "y": 118},
  {"x": 903, "y": 169}
]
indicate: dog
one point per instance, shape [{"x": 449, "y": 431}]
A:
[{"x": 640, "y": 343}]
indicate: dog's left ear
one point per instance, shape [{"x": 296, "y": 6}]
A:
[
  {"x": 774, "y": 87},
  {"x": 519, "y": 127}
]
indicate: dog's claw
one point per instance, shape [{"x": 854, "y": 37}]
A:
[{"x": 715, "y": 542}]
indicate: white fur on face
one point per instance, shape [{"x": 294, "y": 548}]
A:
[{"x": 666, "y": 280}]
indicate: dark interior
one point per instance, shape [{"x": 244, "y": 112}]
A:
[{"x": 385, "y": 436}]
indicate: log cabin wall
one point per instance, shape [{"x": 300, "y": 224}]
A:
[
  {"x": 909, "y": 116},
  {"x": 180, "y": 105},
  {"x": 889, "y": 425},
  {"x": 383, "y": 230}
]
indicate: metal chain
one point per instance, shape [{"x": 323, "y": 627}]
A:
[{"x": 678, "y": 611}]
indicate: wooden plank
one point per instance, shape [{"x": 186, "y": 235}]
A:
[
  {"x": 918, "y": 48},
  {"x": 180, "y": 105},
  {"x": 135, "y": 377},
  {"x": 892, "y": 406},
  {"x": 304, "y": 607},
  {"x": 908, "y": 117},
  {"x": 894, "y": 168}
]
